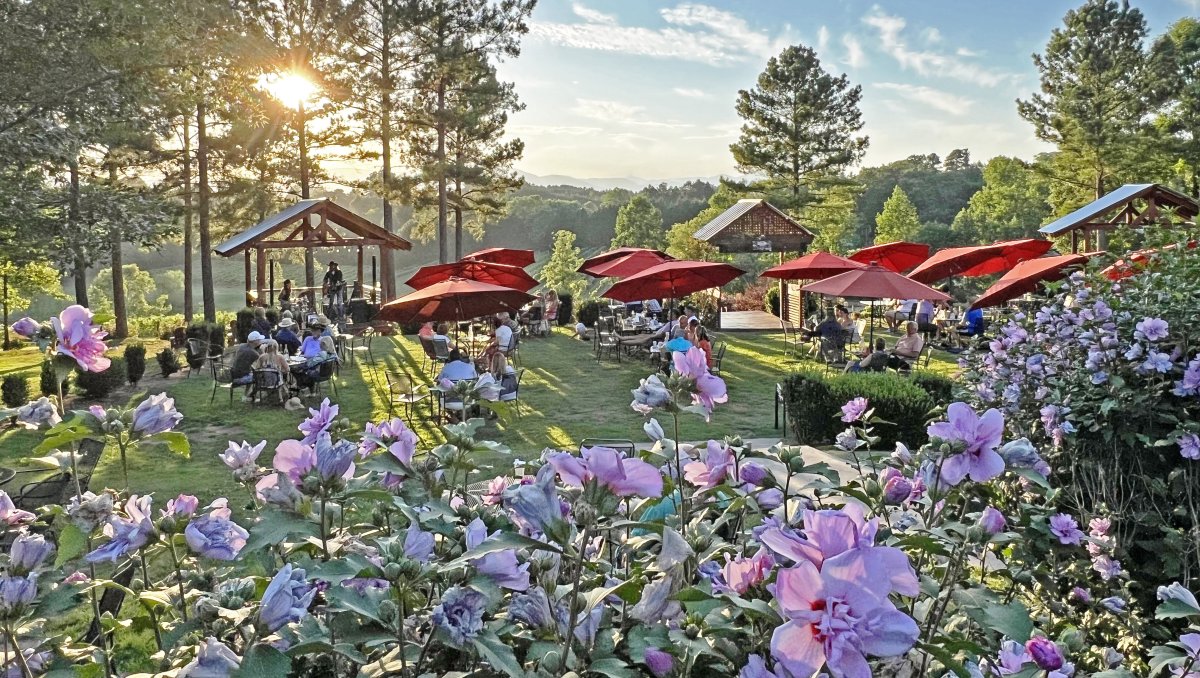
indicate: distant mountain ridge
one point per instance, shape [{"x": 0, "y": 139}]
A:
[{"x": 634, "y": 184}]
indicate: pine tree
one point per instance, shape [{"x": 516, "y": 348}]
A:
[
  {"x": 1098, "y": 87},
  {"x": 898, "y": 220},
  {"x": 639, "y": 224},
  {"x": 799, "y": 123},
  {"x": 1180, "y": 46},
  {"x": 561, "y": 270}
]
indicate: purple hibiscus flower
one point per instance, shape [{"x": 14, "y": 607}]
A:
[
  {"x": 213, "y": 658},
  {"x": 992, "y": 521},
  {"x": 740, "y": 574},
  {"x": 286, "y": 599},
  {"x": 660, "y": 663},
  {"x": 27, "y": 327},
  {"x": 460, "y": 614},
  {"x": 756, "y": 667},
  {"x": 79, "y": 339},
  {"x": 418, "y": 544},
  {"x": 393, "y": 435},
  {"x": 125, "y": 534},
  {"x": 711, "y": 471},
  {"x": 1065, "y": 529},
  {"x": 1189, "y": 446},
  {"x": 1045, "y": 653},
  {"x": 501, "y": 567},
  {"x": 156, "y": 414},
  {"x": 610, "y": 469},
  {"x": 215, "y": 536},
  {"x": 9, "y": 513},
  {"x": 535, "y": 506},
  {"x": 1151, "y": 329},
  {"x": 854, "y": 410},
  {"x": 28, "y": 552},
  {"x": 980, "y": 435},
  {"x": 836, "y": 618},
  {"x": 830, "y": 533},
  {"x": 319, "y": 421}
]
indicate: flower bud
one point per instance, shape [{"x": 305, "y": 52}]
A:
[
  {"x": 392, "y": 571},
  {"x": 897, "y": 490},
  {"x": 796, "y": 464},
  {"x": 692, "y": 631},
  {"x": 992, "y": 521},
  {"x": 137, "y": 585},
  {"x": 388, "y": 611},
  {"x": 206, "y": 609},
  {"x": 753, "y": 473},
  {"x": 1045, "y": 653}
]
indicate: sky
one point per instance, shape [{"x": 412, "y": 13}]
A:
[{"x": 645, "y": 88}]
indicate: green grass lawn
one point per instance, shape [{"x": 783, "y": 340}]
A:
[{"x": 566, "y": 396}]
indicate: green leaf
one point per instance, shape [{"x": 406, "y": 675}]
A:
[
  {"x": 177, "y": 442},
  {"x": 264, "y": 661},
  {"x": 72, "y": 542},
  {"x": 692, "y": 594},
  {"x": 1011, "y": 620},
  {"x": 274, "y": 528},
  {"x": 154, "y": 598},
  {"x": 500, "y": 542},
  {"x": 499, "y": 655},
  {"x": 613, "y": 668},
  {"x": 946, "y": 658},
  {"x": 1173, "y": 609},
  {"x": 629, "y": 592},
  {"x": 349, "y": 599},
  {"x": 56, "y": 441}
]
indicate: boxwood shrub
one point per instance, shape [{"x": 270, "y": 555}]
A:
[
  {"x": 97, "y": 385},
  {"x": 814, "y": 401}
]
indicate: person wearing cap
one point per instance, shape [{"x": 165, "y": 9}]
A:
[
  {"x": 242, "y": 370},
  {"x": 333, "y": 287},
  {"x": 287, "y": 337}
]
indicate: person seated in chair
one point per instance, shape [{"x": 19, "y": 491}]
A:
[
  {"x": 830, "y": 330},
  {"x": 260, "y": 322},
  {"x": 242, "y": 370},
  {"x": 705, "y": 345},
  {"x": 459, "y": 367},
  {"x": 287, "y": 337},
  {"x": 907, "y": 347},
  {"x": 582, "y": 332},
  {"x": 311, "y": 346},
  {"x": 875, "y": 361},
  {"x": 973, "y": 324},
  {"x": 505, "y": 376},
  {"x": 900, "y": 313}
]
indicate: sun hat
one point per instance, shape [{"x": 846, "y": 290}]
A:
[
  {"x": 287, "y": 322},
  {"x": 254, "y": 337},
  {"x": 322, "y": 320},
  {"x": 287, "y": 314}
]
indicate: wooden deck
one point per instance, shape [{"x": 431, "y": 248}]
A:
[{"x": 748, "y": 321}]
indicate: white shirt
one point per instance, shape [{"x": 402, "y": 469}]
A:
[
  {"x": 926, "y": 309},
  {"x": 907, "y": 305},
  {"x": 504, "y": 336},
  {"x": 457, "y": 370}
]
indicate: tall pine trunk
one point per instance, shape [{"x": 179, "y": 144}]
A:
[
  {"x": 458, "y": 208},
  {"x": 188, "y": 309},
  {"x": 442, "y": 234},
  {"x": 206, "y": 276},
  {"x": 120, "y": 312},
  {"x": 74, "y": 226},
  {"x": 310, "y": 265},
  {"x": 387, "y": 261}
]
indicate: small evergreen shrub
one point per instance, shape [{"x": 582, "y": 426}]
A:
[
  {"x": 14, "y": 390},
  {"x": 98, "y": 385},
  {"x": 566, "y": 306},
  {"x": 168, "y": 362},
  {"x": 589, "y": 313},
  {"x": 245, "y": 322},
  {"x": 135, "y": 363},
  {"x": 46, "y": 380},
  {"x": 940, "y": 388},
  {"x": 771, "y": 301}
]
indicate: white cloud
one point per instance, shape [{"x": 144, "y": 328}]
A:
[
  {"x": 694, "y": 32},
  {"x": 928, "y": 96},
  {"x": 556, "y": 130},
  {"x": 690, "y": 92},
  {"x": 855, "y": 56},
  {"x": 620, "y": 113},
  {"x": 964, "y": 52},
  {"x": 822, "y": 40},
  {"x": 931, "y": 35},
  {"x": 592, "y": 16},
  {"x": 926, "y": 62}
]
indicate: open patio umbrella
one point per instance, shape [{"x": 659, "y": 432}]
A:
[
  {"x": 502, "y": 255},
  {"x": 1025, "y": 277},
  {"x": 454, "y": 299},
  {"x": 894, "y": 256},
  {"x": 874, "y": 282},
  {"x": 512, "y": 277},
  {"x": 979, "y": 260},
  {"x": 1123, "y": 268},
  {"x": 625, "y": 266},
  {"x": 672, "y": 280},
  {"x": 814, "y": 266},
  {"x": 617, "y": 253}
]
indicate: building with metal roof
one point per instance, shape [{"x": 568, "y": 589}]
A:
[
  {"x": 1133, "y": 205},
  {"x": 754, "y": 226}
]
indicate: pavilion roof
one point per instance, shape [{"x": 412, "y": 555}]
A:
[
  {"x": 755, "y": 225},
  {"x": 1116, "y": 208},
  {"x": 320, "y": 234}
]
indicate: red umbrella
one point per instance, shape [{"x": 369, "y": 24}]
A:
[
  {"x": 894, "y": 256},
  {"x": 1025, "y": 277},
  {"x": 875, "y": 282},
  {"x": 1122, "y": 269},
  {"x": 625, "y": 266},
  {"x": 979, "y": 260},
  {"x": 815, "y": 266},
  {"x": 619, "y": 252},
  {"x": 503, "y": 255},
  {"x": 512, "y": 277},
  {"x": 672, "y": 280},
  {"x": 454, "y": 299}
]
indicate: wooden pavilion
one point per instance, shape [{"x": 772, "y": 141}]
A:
[
  {"x": 1132, "y": 205},
  {"x": 755, "y": 226},
  {"x": 309, "y": 224}
]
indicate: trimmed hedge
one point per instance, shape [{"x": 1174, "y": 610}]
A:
[
  {"x": 46, "y": 380},
  {"x": 168, "y": 362},
  {"x": 814, "y": 401},
  {"x": 566, "y": 306},
  {"x": 589, "y": 313},
  {"x": 135, "y": 363},
  {"x": 97, "y": 385},
  {"x": 940, "y": 388},
  {"x": 14, "y": 390},
  {"x": 245, "y": 321}
]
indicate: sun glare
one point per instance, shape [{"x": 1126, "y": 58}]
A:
[{"x": 290, "y": 89}]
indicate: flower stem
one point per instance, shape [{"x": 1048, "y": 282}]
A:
[
  {"x": 178, "y": 579},
  {"x": 324, "y": 535},
  {"x": 568, "y": 642},
  {"x": 150, "y": 610},
  {"x": 684, "y": 517},
  {"x": 12, "y": 638}
]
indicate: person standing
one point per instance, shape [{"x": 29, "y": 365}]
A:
[{"x": 333, "y": 288}]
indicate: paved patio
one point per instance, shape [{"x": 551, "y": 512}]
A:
[{"x": 748, "y": 321}]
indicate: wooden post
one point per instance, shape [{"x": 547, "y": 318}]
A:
[
  {"x": 262, "y": 273},
  {"x": 1075, "y": 241},
  {"x": 375, "y": 299},
  {"x": 247, "y": 272},
  {"x": 783, "y": 300},
  {"x": 362, "y": 283}
]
